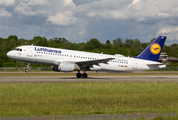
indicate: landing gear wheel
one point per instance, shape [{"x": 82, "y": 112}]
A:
[
  {"x": 79, "y": 75},
  {"x": 84, "y": 75},
  {"x": 26, "y": 70}
]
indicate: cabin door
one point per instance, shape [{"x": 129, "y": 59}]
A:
[
  {"x": 30, "y": 51},
  {"x": 135, "y": 63}
]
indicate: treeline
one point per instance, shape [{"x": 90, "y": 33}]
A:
[{"x": 129, "y": 47}]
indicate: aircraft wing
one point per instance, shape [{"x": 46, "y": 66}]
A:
[
  {"x": 85, "y": 63},
  {"x": 90, "y": 63}
]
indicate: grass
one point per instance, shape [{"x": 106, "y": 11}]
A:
[
  {"x": 87, "y": 98},
  {"x": 165, "y": 118}
]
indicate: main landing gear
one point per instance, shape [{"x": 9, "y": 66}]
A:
[
  {"x": 27, "y": 69},
  {"x": 79, "y": 75}
]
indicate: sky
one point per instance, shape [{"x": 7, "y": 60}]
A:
[{"x": 81, "y": 20}]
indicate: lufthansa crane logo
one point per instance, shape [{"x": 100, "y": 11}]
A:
[{"x": 155, "y": 48}]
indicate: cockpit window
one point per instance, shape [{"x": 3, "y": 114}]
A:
[{"x": 18, "y": 49}]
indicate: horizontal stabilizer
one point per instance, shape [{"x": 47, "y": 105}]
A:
[{"x": 156, "y": 66}]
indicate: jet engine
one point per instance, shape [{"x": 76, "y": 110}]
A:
[{"x": 65, "y": 67}]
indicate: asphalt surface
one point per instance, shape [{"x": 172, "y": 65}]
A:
[{"x": 90, "y": 79}]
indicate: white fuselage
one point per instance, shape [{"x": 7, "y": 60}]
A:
[{"x": 53, "y": 56}]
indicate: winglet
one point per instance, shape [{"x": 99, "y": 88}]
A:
[{"x": 153, "y": 51}]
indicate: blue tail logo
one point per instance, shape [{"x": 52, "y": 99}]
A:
[{"x": 153, "y": 51}]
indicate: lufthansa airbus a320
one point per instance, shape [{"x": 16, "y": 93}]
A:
[{"x": 63, "y": 60}]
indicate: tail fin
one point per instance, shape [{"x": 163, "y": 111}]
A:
[{"x": 153, "y": 51}]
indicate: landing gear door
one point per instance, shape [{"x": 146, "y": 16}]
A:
[{"x": 30, "y": 51}]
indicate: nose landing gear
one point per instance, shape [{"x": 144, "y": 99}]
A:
[{"x": 27, "y": 69}]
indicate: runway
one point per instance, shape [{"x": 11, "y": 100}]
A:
[{"x": 90, "y": 79}]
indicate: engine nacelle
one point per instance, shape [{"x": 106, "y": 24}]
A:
[{"x": 64, "y": 67}]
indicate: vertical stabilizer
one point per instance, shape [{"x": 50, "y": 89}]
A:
[{"x": 153, "y": 51}]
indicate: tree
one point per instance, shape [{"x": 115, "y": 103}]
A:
[
  {"x": 40, "y": 41},
  {"x": 137, "y": 45},
  {"x": 13, "y": 37},
  {"x": 118, "y": 42},
  {"x": 144, "y": 45},
  {"x": 173, "y": 50},
  {"x": 95, "y": 42},
  {"x": 108, "y": 42},
  {"x": 92, "y": 44},
  {"x": 152, "y": 40},
  {"x": 129, "y": 43}
]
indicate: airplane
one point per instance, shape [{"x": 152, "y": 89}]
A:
[{"x": 63, "y": 60}]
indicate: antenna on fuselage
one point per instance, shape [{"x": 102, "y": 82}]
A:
[{"x": 31, "y": 44}]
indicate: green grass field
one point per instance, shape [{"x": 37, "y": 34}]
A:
[{"x": 87, "y": 98}]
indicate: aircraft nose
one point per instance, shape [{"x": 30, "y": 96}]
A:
[{"x": 9, "y": 54}]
